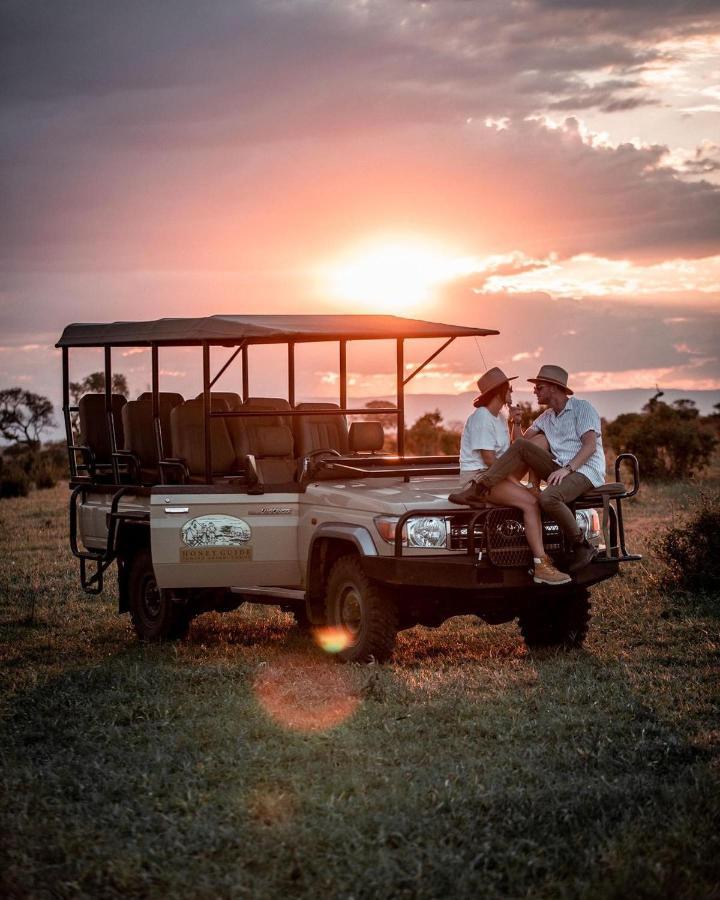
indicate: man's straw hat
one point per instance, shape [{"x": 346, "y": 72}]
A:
[
  {"x": 553, "y": 375},
  {"x": 491, "y": 379}
]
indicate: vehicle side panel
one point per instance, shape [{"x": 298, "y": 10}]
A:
[{"x": 207, "y": 539}]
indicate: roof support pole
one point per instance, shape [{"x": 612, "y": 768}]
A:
[
  {"x": 228, "y": 363},
  {"x": 428, "y": 360},
  {"x": 72, "y": 461},
  {"x": 156, "y": 407},
  {"x": 245, "y": 377},
  {"x": 291, "y": 373},
  {"x": 400, "y": 398},
  {"x": 343, "y": 374},
  {"x": 110, "y": 419},
  {"x": 206, "y": 412}
]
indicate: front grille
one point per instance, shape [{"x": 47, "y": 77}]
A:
[{"x": 501, "y": 534}]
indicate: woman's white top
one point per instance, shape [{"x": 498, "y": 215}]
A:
[{"x": 482, "y": 431}]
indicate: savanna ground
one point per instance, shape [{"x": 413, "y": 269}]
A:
[{"x": 247, "y": 763}]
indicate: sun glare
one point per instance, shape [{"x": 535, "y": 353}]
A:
[{"x": 389, "y": 276}]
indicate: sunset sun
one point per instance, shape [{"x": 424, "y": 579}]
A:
[{"x": 391, "y": 276}]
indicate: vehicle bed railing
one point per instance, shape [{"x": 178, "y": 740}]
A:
[{"x": 92, "y": 583}]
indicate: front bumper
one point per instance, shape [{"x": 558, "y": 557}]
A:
[{"x": 463, "y": 573}]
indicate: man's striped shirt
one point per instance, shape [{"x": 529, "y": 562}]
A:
[{"x": 563, "y": 431}]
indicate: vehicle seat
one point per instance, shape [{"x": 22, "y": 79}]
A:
[
  {"x": 245, "y": 431},
  {"x": 273, "y": 455},
  {"x": 94, "y": 432},
  {"x": 139, "y": 431},
  {"x": 168, "y": 400},
  {"x": 366, "y": 437},
  {"x": 320, "y": 430},
  {"x": 186, "y": 426}
]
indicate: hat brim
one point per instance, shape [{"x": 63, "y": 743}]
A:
[{"x": 559, "y": 384}]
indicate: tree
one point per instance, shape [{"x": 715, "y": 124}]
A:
[
  {"x": 429, "y": 437},
  {"x": 528, "y": 413},
  {"x": 669, "y": 441},
  {"x": 387, "y": 420},
  {"x": 95, "y": 384},
  {"x": 24, "y": 416}
]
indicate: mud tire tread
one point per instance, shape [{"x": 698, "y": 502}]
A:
[
  {"x": 561, "y": 622},
  {"x": 379, "y": 606},
  {"x": 173, "y": 620}
]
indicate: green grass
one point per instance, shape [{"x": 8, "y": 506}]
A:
[{"x": 246, "y": 763}]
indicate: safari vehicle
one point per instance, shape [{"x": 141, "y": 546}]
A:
[{"x": 227, "y": 498}]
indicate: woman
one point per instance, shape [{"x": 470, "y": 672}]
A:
[{"x": 486, "y": 436}]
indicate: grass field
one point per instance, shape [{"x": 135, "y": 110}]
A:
[{"x": 246, "y": 763}]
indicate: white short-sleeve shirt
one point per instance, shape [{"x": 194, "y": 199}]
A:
[
  {"x": 563, "y": 431},
  {"x": 482, "y": 431}
]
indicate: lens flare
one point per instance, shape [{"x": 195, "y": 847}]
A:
[
  {"x": 332, "y": 639},
  {"x": 306, "y": 696}
]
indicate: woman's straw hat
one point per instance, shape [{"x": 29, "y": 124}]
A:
[{"x": 491, "y": 379}]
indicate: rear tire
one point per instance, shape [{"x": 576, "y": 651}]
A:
[
  {"x": 559, "y": 620},
  {"x": 363, "y": 609},
  {"x": 155, "y": 614}
]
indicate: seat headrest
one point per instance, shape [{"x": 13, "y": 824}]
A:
[
  {"x": 319, "y": 408},
  {"x": 169, "y": 397},
  {"x": 217, "y": 404},
  {"x": 278, "y": 403},
  {"x": 366, "y": 436},
  {"x": 273, "y": 440},
  {"x": 230, "y": 397}
]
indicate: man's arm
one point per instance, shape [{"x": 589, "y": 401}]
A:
[{"x": 588, "y": 443}]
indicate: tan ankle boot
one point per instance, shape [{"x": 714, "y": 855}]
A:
[{"x": 545, "y": 572}]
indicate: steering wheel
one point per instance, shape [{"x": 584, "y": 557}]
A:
[
  {"x": 324, "y": 452},
  {"x": 306, "y": 466}
]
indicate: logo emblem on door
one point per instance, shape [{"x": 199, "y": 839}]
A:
[{"x": 216, "y": 531}]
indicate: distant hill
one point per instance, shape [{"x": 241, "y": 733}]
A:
[{"x": 457, "y": 407}]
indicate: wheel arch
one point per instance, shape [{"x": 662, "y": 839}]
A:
[
  {"x": 131, "y": 537},
  {"x": 331, "y": 541}
]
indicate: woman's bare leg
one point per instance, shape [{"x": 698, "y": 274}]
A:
[{"x": 507, "y": 493}]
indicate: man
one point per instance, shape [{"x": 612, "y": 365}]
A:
[{"x": 574, "y": 463}]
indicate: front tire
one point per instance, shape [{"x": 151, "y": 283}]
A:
[
  {"x": 558, "y": 620},
  {"x": 364, "y": 610},
  {"x": 155, "y": 614}
]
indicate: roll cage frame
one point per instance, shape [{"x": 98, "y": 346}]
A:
[{"x": 399, "y": 465}]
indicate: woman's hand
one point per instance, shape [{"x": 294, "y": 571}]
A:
[{"x": 515, "y": 414}]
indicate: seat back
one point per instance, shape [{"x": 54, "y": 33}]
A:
[
  {"x": 94, "y": 432},
  {"x": 319, "y": 430},
  {"x": 245, "y": 432},
  {"x": 366, "y": 437},
  {"x": 167, "y": 401},
  {"x": 186, "y": 427},
  {"x": 273, "y": 454}
]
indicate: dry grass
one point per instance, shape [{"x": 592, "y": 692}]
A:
[{"x": 246, "y": 763}]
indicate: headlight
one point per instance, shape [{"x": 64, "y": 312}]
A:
[
  {"x": 588, "y": 522},
  {"x": 427, "y": 531}
]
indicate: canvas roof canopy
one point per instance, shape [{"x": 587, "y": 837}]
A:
[{"x": 276, "y": 329}]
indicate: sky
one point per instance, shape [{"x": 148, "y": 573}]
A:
[{"x": 547, "y": 168}]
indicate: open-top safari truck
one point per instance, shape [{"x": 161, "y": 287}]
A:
[{"x": 227, "y": 498}]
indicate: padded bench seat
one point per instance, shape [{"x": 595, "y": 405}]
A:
[{"x": 598, "y": 495}]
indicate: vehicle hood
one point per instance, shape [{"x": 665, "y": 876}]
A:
[{"x": 389, "y": 496}]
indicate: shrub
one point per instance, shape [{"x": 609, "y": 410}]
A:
[
  {"x": 670, "y": 442},
  {"x": 44, "y": 478},
  {"x": 692, "y": 550},
  {"x": 14, "y": 482}
]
